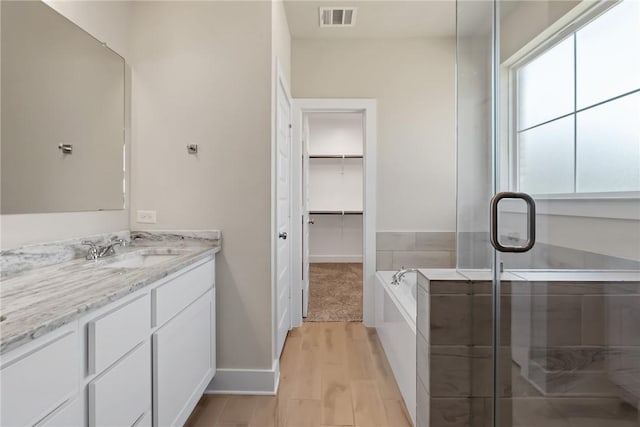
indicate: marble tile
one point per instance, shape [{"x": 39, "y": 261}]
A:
[
  {"x": 482, "y": 323},
  {"x": 423, "y": 259},
  {"x": 450, "y": 320},
  {"x": 596, "y": 412},
  {"x": 450, "y": 412},
  {"x": 450, "y": 368},
  {"x": 556, "y": 320},
  {"x": 423, "y": 361},
  {"x": 436, "y": 241},
  {"x": 395, "y": 241},
  {"x": 593, "y": 320},
  {"x": 423, "y": 404},
  {"x": 384, "y": 260},
  {"x": 449, "y": 287},
  {"x": 623, "y": 318},
  {"x": 482, "y": 371},
  {"x": 423, "y": 315}
]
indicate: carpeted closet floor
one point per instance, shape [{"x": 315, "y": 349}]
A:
[{"x": 335, "y": 292}]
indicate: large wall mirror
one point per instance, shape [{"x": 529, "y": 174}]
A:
[{"x": 63, "y": 115}]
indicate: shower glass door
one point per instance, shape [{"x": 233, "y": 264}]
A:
[{"x": 549, "y": 123}]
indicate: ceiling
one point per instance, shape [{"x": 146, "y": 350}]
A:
[{"x": 376, "y": 19}]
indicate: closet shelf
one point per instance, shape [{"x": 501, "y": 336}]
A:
[
  {"x": 335, "y": 212},
  {"x": 335, "y": 156}
]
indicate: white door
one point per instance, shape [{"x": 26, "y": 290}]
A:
[
  {"x": 283, "y": 214},
  {"x": 306, "y": 219}
]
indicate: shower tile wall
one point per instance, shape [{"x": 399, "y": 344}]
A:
[
  {"x": 475, "y": 252},
  {"x": 570, "y": 353},
  {"x": 415, "y": 250}
]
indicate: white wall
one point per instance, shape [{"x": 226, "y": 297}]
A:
[
  {"x": 335, "y": 185},
  {"x": 202, "y": 75},
  {"x": 109, "y": 22},
  {"x": 413, "y": 81}
]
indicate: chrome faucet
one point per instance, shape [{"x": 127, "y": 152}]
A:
[
  {"x": 99, "y": 251},
  {"x": 398, "y": 275}
]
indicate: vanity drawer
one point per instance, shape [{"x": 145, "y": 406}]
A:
[
  {"x": 115, "y": 333},
  {"x": 122, "y": 394},
  {"x": 34, "y": 384},
  {"x": 172, "y": 297},
  {"x": 71, "y": 414}
]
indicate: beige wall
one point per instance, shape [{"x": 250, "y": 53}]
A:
[
  {"x": 413, "y": 82},
  {"x": 201, "y": 75},
  {"x": 107, "y": 21}
]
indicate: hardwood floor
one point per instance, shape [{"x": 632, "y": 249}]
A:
[{"x": 331, "y": 374}]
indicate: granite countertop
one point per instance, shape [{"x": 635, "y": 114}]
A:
[{"x": 39, "y": 300}]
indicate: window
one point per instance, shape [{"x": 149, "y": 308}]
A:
[{"x": 577, "y": 118}]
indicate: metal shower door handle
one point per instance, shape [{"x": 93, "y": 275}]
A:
[{"x": 531, "y": 221}]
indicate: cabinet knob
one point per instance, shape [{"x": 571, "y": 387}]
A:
[{"x": 283, "y": 235}]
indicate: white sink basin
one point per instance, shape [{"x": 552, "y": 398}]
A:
[{"x": 140, "y": 258}]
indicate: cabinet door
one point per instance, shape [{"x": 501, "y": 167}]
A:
[
  {"x": 34, "y": 384},
  {"x": 71, "y": 414},
  {"x": 183, "y": 352},
  {"x": 122, "y": 393}
]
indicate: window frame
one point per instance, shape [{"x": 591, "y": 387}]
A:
[{"x": 550, "y": 38}]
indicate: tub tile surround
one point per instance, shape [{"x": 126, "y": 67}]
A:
[
  {"x": 397, "y": 249},
  {"x": 568, "y": 335},
  {"x": 477, "y": 254},
  {"x": 47, "y": 296}
]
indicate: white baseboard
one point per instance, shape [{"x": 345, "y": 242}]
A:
[
  {"x": 334, "y": 258},
  {"x": 246, "y": 381}
]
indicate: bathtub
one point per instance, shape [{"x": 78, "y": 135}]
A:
[{"x": 395, "y": 322}]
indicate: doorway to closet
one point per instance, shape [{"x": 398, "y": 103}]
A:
[{"x": 333, "y": 178}]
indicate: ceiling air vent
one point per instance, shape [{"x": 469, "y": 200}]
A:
[{"x": 337, "y": 16}]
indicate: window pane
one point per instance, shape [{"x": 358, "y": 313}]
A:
[
  {"x": 546, "y": 86},
  {"x": 608, "y": 55},
  {"x": 546, "y": 158},
  {"x": 609, "y": 146}
]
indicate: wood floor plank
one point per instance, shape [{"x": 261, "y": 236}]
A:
[
  {"x": 359, "y": 361},
  {"x": 265, "y": 413},
  {"x": 308, "y": 378},
  {"x": 334, "y": 343},
  {"x": 303, "y": 413},
  {"x": 337, "y": 406},
  {"x": 238, "y": 410},
  {"x": 331, "y": 374},
  {"x": 208, "y": 411},
  {"x": 368, "y": 406},
  {"x": 396, "y": 414}
]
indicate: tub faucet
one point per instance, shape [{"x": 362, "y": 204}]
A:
[{"x": 398, "y": 275}]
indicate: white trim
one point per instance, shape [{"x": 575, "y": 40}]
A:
[
  {"x": 369, "y": 109},
  {"x": 334, "y": 258},
  {"x": 246, "y": 381}
]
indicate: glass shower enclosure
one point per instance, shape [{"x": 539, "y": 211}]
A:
[{"x": 548, "y": 192}]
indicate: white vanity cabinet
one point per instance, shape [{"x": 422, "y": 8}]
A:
[
  {"x": 141, "y": 360},
  {"x": 39, "y": 378}
]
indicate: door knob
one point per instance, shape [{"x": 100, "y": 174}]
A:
[
  {"x": 283, "y": 235},
  {"x": 311, "y": 222}
]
